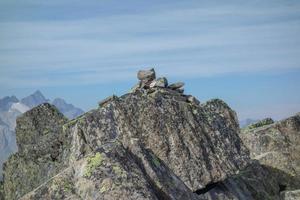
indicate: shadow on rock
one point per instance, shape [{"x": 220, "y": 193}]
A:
[{"x": 254, "y": 182}]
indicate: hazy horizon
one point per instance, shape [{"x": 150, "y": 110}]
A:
[{"x": 244, "y": 53}]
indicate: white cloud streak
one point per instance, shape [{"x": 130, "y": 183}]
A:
[{"x": 182, "y": 42}]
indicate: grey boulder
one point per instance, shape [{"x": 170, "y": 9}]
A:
[
  {"x": 146, "y": 75},
  {"x": 160, "y": 82}
]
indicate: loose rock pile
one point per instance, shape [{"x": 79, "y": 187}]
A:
[
  {"x": 149, "y": 83},
  {"x": 148, "y": 80}
]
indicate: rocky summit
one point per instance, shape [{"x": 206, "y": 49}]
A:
[{"x": 154, "y": 142}]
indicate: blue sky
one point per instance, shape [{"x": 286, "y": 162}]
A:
[{"x": 245, "y": 52}]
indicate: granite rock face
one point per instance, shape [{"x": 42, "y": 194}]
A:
[
  {"x": 290, "y": 195},
  {"x": 152, "y": 143},
  {"x": 196, "y": 142},
  {"x": 114, "y": 172},
  {"x": 40, "y": 142},
  {"x": 276, "y": 144},
  {"x": 1, "y": 190}
]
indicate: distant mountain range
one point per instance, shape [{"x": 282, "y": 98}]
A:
[
  {"x": 34, "y": 99},
  {"x": 11, "y": 107}
]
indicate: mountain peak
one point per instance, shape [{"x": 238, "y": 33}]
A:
[
  {"x": 7, "y": 101},
  {"x": 59, "y": 100},
  {"x": 38, "y": 93},
  {"x": 69, "y": 110},
  {"x": 34, "y": 99}
]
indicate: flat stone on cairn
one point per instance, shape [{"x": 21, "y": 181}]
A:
[{"x": 176, "y": 86}]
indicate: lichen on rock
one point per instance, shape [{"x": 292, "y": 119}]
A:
[
  {"x": 276, "y": 145},
  {"x": 92, "y": 163},
  {"x": 41, "y": 143},
  {"x": 263, "y": 122}
]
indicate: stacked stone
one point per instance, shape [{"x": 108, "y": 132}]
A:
[
  {"x": 160, "y": 82},
  {"x": 146, "y": 78},
  {"x": 177, "y": 86},
  {"x": 148, "y": 81}
]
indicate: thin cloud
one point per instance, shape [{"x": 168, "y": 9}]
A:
[{"x": 189, "y": 42}]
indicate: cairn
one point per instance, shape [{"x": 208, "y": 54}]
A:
[{"x": 148, "y": 81}]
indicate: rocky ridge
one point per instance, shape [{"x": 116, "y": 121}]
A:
[
  {"x": 152, "y": 143},
  {"x": 277, "y": 146}
]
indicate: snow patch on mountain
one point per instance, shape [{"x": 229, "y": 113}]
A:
[{"x": 19, "y": 107}]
